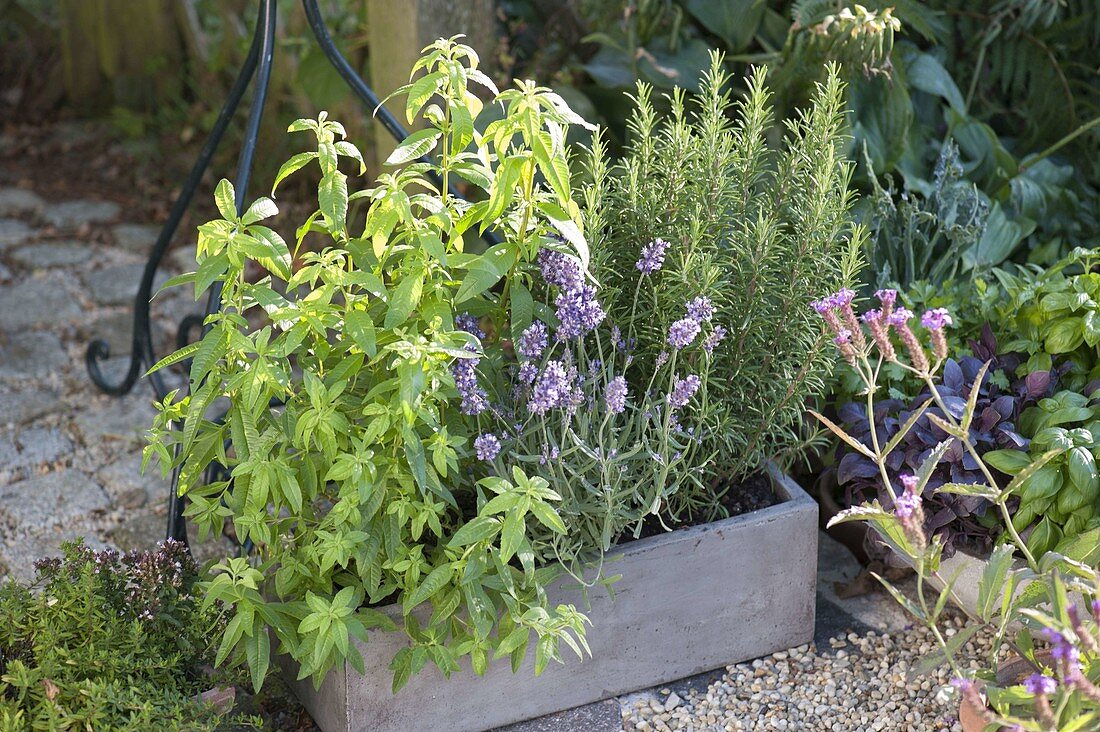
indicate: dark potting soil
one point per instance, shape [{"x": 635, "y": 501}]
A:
[{"x": 751, "y": 494}]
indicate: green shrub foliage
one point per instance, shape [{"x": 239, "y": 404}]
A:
[
  {"x": 107, "y": 641},
  {"x": 348, "y": 411},
  {"x": 758, "y": 229}
]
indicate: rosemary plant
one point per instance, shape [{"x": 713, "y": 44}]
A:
[{"x": 758, "y": 229}]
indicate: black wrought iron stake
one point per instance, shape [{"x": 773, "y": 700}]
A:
[{"x": 256, "y": 65}]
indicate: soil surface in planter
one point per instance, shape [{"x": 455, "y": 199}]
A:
[{"x": 752, "y": 494}]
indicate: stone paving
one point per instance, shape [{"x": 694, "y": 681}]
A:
[{"x": 70, "y": 456}]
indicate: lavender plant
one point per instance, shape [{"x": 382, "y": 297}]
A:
[
  {"x": 565, "y": 409},
  {"x": 1054, "y": 598},
  {"x": 757, "y": 229}
]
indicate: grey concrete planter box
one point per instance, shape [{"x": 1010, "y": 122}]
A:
[{"x": 689, "y": 601}]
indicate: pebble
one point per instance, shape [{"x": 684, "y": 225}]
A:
[{"x": 859, "y": 682}]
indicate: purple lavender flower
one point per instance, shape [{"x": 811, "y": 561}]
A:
[
  {"x": 560, "y": 269},
  {"x": 683, "y": 390},
  {"x": 617, "y": 338},
  {"x": 532, "y": 341},
  {"x": 1040, "y": 684},
  {"x": 474, "y": 398},
  {"x": 548, "y": 453},
  {"x": 487, "y": 447},
  {"x": 661, "y": 360},
  {"x": 615, "y": 396},
  {"x": 700, "y": 309},
  {"x": 578, "y": 312},
  {"x": 714, "y": 338},
  {"x": 469, "y": 324},
  {"x": 553, "y": 389},
  {"x": 653, "y": 256},
  {"x": 683, "y": 332},
  {"x": 527, "y": 372}
]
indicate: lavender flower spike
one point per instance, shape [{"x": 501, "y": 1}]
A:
[
  {"x": 714, "y": 338},
  {"x": 560, "y": 269},
  {"x": 700, "y": 309},
  {"x": 653, "y": 256},
  {"x": 683, "y": 332},
  {"x": 532, "y": 341},
  {"x": 554, "y": 388},
  {"x": 578, "y": 312},
  {"x": 615, "y": 396},
  {"x": 683, "y": 390},
  {"x": 487, "y": 447}
]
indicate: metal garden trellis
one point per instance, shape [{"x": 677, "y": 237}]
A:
[{"x": 257, "y": 65}]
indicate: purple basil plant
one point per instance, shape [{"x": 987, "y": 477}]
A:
[{"x": 958, "y": 519}]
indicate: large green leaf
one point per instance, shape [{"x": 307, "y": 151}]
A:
[
  {"x": 734, "y": 21},
  {"x": 406, "y": 296}
]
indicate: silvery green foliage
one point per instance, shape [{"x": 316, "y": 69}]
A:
[{"x": 759, "y": 229}]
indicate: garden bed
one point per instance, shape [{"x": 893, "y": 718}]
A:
[{"x": 688, "y": 601}]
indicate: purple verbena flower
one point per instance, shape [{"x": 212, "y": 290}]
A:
[
  {"x": 578, "y": 312},
  {"x": 887, "y": 297},
  {"x": 876, "y": 321},
  {"x": 961, "y": 684},
  {"x": 843, "y": 337},
  {"x": 1039, "y": 684},
  {"x": 653, "y": 256},
  {"x": 935, "y": 319},
  {"x": 532, "y": 342},
  {"x": 560, "y": 269},
  {"x": 683, "y": 332},
  {"x": 615, "y": 395},
  {"x": 487, "y": 447},
  {"x": 900, "y": 317},
  {"x": 908, "y": 503},
  {"x": 683, "y": 390},
  {"x": 700, "y": 309}
]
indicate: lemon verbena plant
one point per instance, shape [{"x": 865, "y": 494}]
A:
[{"x": 344, "y": 430}]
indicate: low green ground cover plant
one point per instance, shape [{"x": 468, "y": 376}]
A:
[{"x": 102, "y": 640}]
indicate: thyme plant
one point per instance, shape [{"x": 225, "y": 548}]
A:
[
  {"x": 346, "y": 426},
  {"x": 758, "y": 229}
]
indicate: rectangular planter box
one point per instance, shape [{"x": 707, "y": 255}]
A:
[{"x": 689, "y": 601}]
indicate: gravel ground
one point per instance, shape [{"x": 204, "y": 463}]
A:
[{"x": 859, "y": 684}]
